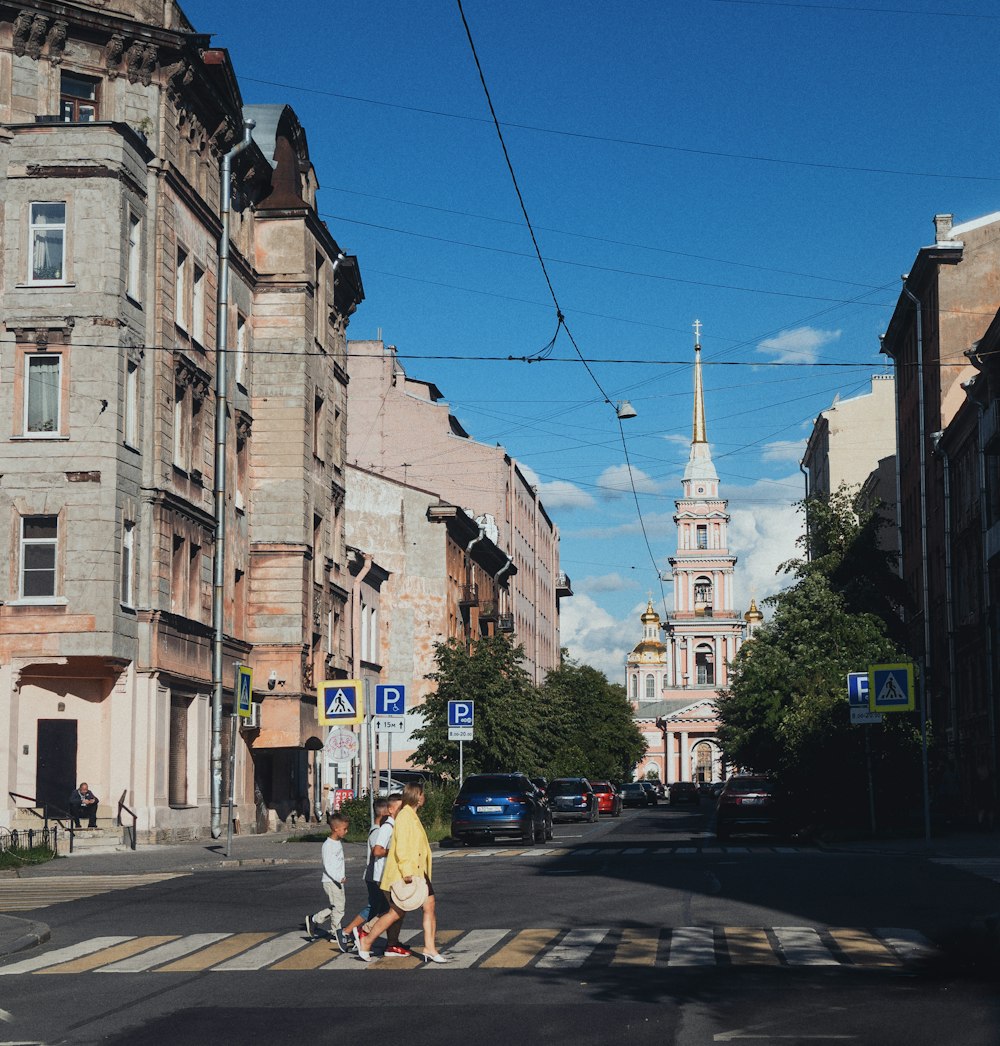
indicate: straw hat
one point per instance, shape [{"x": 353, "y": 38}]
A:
[{"x": 408, "y": 896}]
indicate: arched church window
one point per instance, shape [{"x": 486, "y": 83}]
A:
[
  {"x": 704, "y": 660},
  {"x": 650, "y": 687},
  {"x": 702, "y": 593},
  {"x": 634, "y": 686}
]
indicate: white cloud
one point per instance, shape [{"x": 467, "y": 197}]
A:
[
  {"x": 763, "y": 536},
  {"x": 784, "y": 450},
  {"x": 593, "y": 637},
  {"x": 559, "y": 493},
  {"x": 614, "y": 482},
  {"x": 800, "y": 345},
  {"x": 604, "y": 583}
]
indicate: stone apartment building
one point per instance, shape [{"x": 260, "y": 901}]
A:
[
  {"x": 114, "y": 116},
  {"x": 942, "y": 344},
  {"x": 400, "y": 427},
  {"x": 445, "y": 578}
]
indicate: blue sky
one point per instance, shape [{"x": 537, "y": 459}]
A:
[{"x": 769, "y": 168}]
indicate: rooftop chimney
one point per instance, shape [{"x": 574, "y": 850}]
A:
[{"x": 942, "y": 227}]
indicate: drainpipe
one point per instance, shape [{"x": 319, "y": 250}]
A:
[
  {"x": 936, "y": 438},
  {"x": 925, "y": 587},
  {"x": 219, "y": 566},
  {"x": 805, "y": 473},
  {"x": 367, "y": 759}
]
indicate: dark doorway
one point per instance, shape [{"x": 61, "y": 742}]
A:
[{"x": 55, "y": 762}]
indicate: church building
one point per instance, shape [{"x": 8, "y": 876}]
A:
[{"x": 673, "y": 680}]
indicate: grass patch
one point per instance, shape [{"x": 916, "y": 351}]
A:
[{"x": 18, "y": 858}]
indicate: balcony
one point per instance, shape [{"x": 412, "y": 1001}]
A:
[
  {"x": 505, "y": 623},
  {"x": 469, "y": 596},
  {"x": 564, "y": 587},
  {"x": 488, "y": 612}
]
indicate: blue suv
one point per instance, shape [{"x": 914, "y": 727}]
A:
[{"x": 493, "y": 805}]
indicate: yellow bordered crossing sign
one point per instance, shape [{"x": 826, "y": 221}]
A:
[
  {"x": 890, "y": 688},
  {"x": 340, "y": 702},
  {"x": 244, "y": 691}
]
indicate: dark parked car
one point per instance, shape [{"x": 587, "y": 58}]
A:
[
  {"x": 683, "y": 792},
  {"x": 751, "y": 803},
  {"x": 633, "y": 794},
  {"x": 573, "y": 797},
  {"x": 540, "y": 783},
  {"x": 654, "y": 796},
  {"x": 492, "y": 805},
  {"x": 608, "y": 799}
]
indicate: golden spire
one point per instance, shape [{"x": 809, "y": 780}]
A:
[{"x": 698, "y": 435}]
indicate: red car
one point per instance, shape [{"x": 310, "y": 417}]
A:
[{"x": 609, "y": 800}]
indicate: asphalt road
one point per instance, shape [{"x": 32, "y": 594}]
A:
[{"x": 640, "y": 930}]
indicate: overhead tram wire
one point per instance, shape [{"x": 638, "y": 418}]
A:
[{"x": 559, "y": 313}]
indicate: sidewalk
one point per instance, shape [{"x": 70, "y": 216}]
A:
[{"x": 957, "y": 844}]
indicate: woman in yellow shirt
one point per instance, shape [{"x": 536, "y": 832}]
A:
[{"x": 409, "y": 858}]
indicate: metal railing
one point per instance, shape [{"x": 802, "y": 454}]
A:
[
  {"x": 50, "y": 812},
  {"x": 131, "y": 829}
]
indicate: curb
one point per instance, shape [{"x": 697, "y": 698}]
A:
[{"x": 31, "y": 934}]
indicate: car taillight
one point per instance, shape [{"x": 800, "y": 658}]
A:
[{"x": 516, "y": 799}]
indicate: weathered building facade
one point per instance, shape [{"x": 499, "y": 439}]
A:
[
  {"x": 113, "y": 119},
  {"x": 399, "y": 427}
]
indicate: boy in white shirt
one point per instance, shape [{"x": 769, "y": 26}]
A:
[{"x": 333, "y": 881}]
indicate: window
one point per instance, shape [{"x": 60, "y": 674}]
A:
[
  {"x": 318, "y": 553},
  {"x": 239, "y": 497},
  {"x": 43, "y": 386},
  {"x": 241, "y": 350},
  {"x": 133, "y": 287},
  {"x": 198, "y": 305},
  {"x": 634, "y": 688},
  {"x": 178, "y": 575},
  {"x": 704, "y": 661},
  {"x": 77, "y": 98},
  {"x": 318, "y": 434},
  {"x": 128, "y": 561},
  {"x": 182, "y": 431},
  {"x": 132, "y": 403},
  {"x": 48, "y": 242},
  {"x": 702, "y": 535},
  {"x": 39, "y": 540},
  {"x": 194, "y": 582},
  {"x": 702, "y": 591},
  {"x": 650, "y": 687},
  {"x": 181, "y": 289},
  {"x": 320, "y": 298}
]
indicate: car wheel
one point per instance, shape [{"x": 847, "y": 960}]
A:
[
  {"x": 548, "y": 832},
  {"x": 528, "y": 838}
]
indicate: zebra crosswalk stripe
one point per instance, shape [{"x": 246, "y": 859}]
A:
[{"x": 496, "y": 948}]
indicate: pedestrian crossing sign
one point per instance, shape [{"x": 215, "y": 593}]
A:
[
  {"x": 890, "y": 688},
  {"x": 244, "y": 691},
  {"x": 340, "y": 702}
]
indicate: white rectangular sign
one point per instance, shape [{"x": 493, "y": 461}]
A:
[
  {"x": 387, "y": 724},
  {"x": 863, "y": 716},
  {"x": 459, "y": 733}
]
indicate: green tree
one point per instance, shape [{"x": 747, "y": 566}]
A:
[
  {"x": 785, "y": 710},
  {"x": 491, "y": 674},
  {"x": 588, "y": 729}
]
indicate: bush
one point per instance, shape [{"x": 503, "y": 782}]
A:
[{"x": 436, "y": 811}]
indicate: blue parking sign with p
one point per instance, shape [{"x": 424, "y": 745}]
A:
[
  {"x": 390, "y": 699},
  {"x": 340, "y": 702},
  {"x": 244, "y": 691},
  {"x": 461, "y": 713}
]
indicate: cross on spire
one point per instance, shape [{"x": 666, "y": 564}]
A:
[{"x": 697, "y": 332}]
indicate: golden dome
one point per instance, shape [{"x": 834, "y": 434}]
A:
[
  {"x": 753, "y": 614},
  {"x": 650, "y": 615}
]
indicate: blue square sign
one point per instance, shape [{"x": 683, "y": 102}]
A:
[{"x": 461, "y": 713}]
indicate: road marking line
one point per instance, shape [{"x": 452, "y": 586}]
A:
[
  {"x": 861, "y": 947},
  {"x": 692, "y": 946},
  {"x": 118, "y": 951},
  {"x": 687, "y": 849},
  {"x": 73, "y": 951},
  {"x": 636, "y": 948},
  {"x": 164, "y": 953},
  {"x": 749, "y": 946},
  {"x": 613, "y": 851},
  {"x": 574, "y": 949},
  {"x": 215, "y": 953},
  {"x": 585, "y": 851},
  {"x": 803, "y": 946},
  {"x": 265, "y": 954},
  {"x": 520, "y": 951},
  {"x": 311, "y": 957},
  {"x": 909, "y": 945},
  {"x": 473, "y": 946},
  {"x": 635, "y": 850},
  {"x": 664, "y": 850}
]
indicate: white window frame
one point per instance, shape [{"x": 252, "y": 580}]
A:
[
  {"x": 131, "y": 418},
  {"x": 35, "y": 229},
  {"x": 128, "y": 563},
  {"x": 25, "y": 544},
  {"x": 198, "y": 282},
  {"x": 133, "y": 286},
  {"x": 241, "y": 350},
  {"x": 181, "y": 288},
  {"x": 32, "y": 359}
]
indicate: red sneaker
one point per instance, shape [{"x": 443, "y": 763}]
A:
[
  {"x": 397, "y": 949},
  {"x": 361, "y": 933}
]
